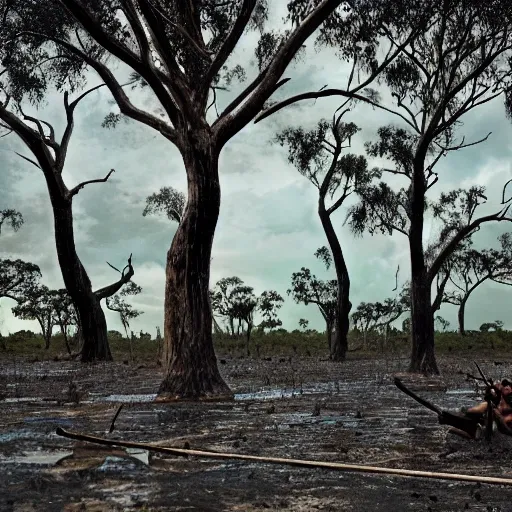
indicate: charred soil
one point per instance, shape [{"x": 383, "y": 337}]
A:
[{"x": 284, "y": 407}]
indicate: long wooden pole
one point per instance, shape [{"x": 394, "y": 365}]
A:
[{"x": 290, "y": 462}]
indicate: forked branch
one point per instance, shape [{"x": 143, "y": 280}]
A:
[
  {"x": 126, "y": 274},
  {"x": 80, "y": 186}
]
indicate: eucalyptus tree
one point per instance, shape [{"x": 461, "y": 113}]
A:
[
  {"x": 126, "y": 311},
  {"x": 222, "y": 300},
  {"x": 168, "y": 201},
  {"x": 471, "y": 268},
  {"x": 460, "y": 61},
  {"x": 49, "y": 154},
  {"x": 378, "y": 315},
  {"x": 384, "y": 210},
  {"x": 317, "y": 155},
  {"x": 18, "y": 278},
  {"x": 308, "y": 289},
  {"x": 64, "y": 312},
  {"x": 37, "y": 304},
  {"x": 179, "y": 51},
  {"x": 269, "y": 302}
]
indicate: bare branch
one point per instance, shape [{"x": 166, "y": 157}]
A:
[
  {"x": 460, "y": 235},
  {"x": 503, "y": 193},
  {"x": 28, "y": 160},
  {"x": 112, "y": 266},
  {"x": 322, "y": 94},
  {"x": 80, "y": 186},
  {"x": 109, "y": 290}
]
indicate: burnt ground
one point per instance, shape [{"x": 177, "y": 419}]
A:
[{"x": 300, "y": 408}]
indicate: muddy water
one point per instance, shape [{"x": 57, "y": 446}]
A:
[{"x": 335, "y": 412}]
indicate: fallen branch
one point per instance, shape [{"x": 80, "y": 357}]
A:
[
  {"x": 399, "y": 384},
  {"x": 290, "y": 462},
  {"x": 464, "y": 423}
]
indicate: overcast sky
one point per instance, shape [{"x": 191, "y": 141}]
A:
[{"x": 268, "y": 225}]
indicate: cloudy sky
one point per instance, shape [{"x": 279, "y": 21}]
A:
[{"x": 268, "y": 226}]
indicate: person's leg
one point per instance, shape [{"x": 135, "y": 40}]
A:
[{"x": 477, "y": 409}]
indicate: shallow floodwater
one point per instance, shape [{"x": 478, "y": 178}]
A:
[{"x": 308, "y": 409}]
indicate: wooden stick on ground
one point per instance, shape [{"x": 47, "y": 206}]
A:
[
  {"x": 290, "y": 462},
  {"x": 112, "y": 425}
]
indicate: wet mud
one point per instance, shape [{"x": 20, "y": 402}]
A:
[{"x": 284, "y": 407}]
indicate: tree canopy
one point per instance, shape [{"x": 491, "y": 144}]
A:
[{"x": 18, "y": 279}]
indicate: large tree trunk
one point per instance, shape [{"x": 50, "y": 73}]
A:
[
  {"x": 93, "y": 326},
  {"x": 422, "y": 327},
  {"x": 422, "y": 319},
  {"x": 248, "y": 338},
  {"x": 339, "y": 345},
  {"x": 461, "y": 316},
  {"x": 192, "y": 370},
  {"x": 329, "y": 336}
]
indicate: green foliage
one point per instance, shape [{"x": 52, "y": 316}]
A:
[
  {"x": 308, "y": 289},
  {"x": 380, "y": 210},
  {"x": 374, "y": 315},
  {"x": 497, "y": 325},
  {"x": 323, "y": 254},
  {"x": 456, "y": 208},
  {"x": 269, "y": 302},
  {"x": 12, "y": 217},
  {"x": 441, "y": 324},
  {"x": 118, "y": 304},
  {"x": 397, "y": 145},
  {"x": 316, "y": 154},
  {"x": 469, "y": 268},
  {"x": 18, "y": 279},
  {"x": 234, "y": 300},
  {"x": 38, "y": 304},
  {"x": 168, "y": 201},
  {"x": 111, "y": 120}
]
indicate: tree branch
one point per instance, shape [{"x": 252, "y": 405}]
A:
[
  {"x": 29, "y": 160},
  {"x": 322, "y": 94},
  {"x": 124, "y": 103},
  {"x": 80, "y": 186},
  {"x": 503, "y": 193},
  {"x": 231, "y": 40},
  {"x": 109, "y": 290},
  {"x": 226, "y": 126},
  {"x": 347, "y": 94},
  {"x": 460, "y": 235},
  {"x": 203, "y": 52},
  {"x": 78, "y": 10}
]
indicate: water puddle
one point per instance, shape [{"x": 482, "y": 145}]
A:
[
  {"x": 470, "y": 392},
  {"x": 312, "y": 389},
  {"x": 114, "y": 464},
  {"x": 20, "y": 400},
  {"x": 17, "y": 434},
  {"x": 40, "y": 457},
  {"x": 137, "y": 453},
  {"x": 127, "y": 398}
]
